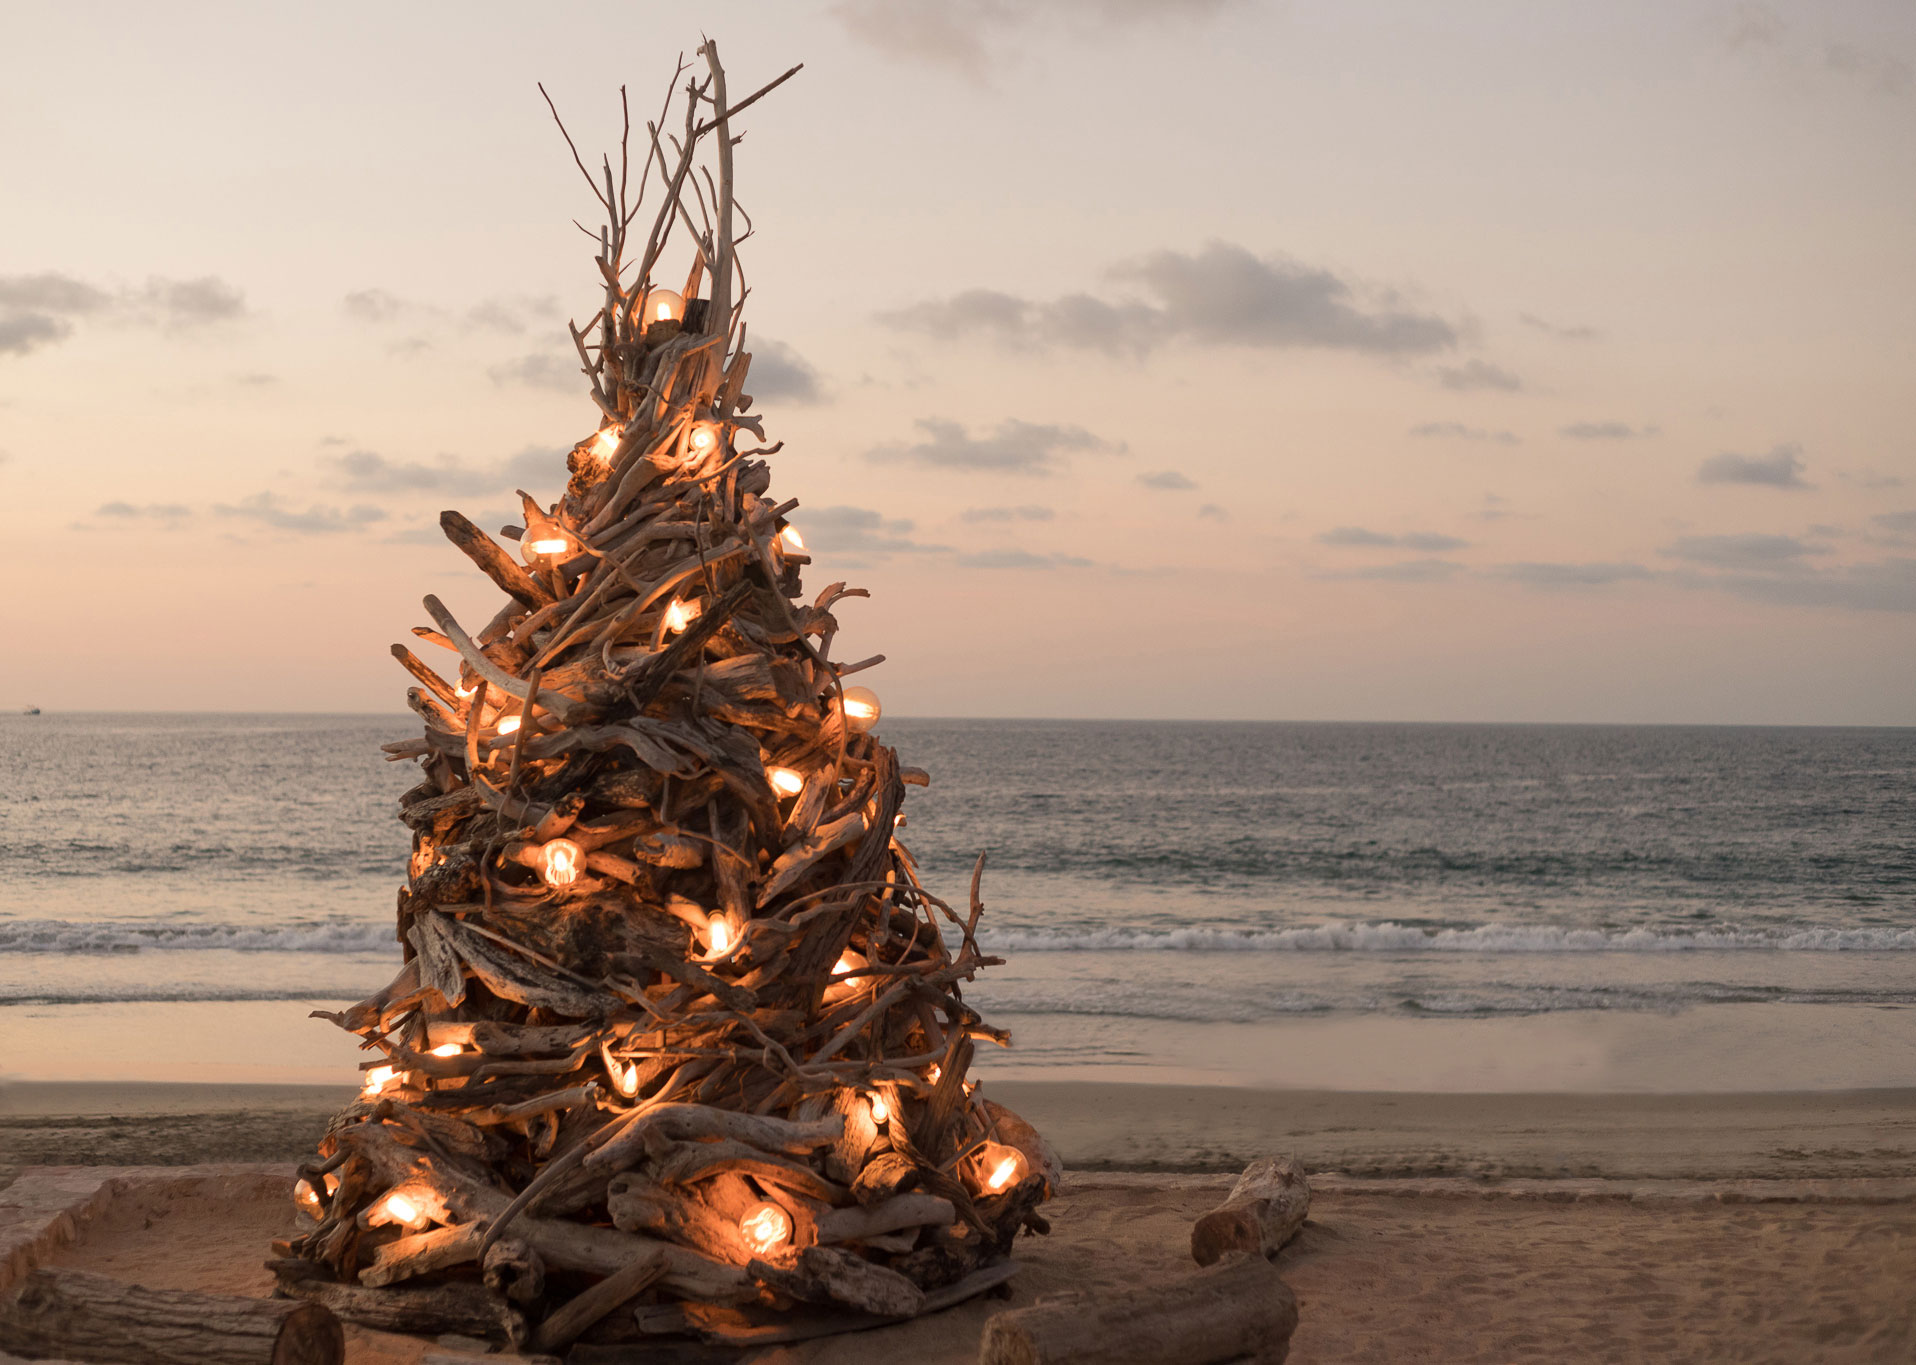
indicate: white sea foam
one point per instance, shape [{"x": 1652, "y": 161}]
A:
[{"x": 1389, "y": 937}]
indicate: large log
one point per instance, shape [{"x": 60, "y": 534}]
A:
[
  {"x": 1237, "y": 1310},
  {"x": 75, "y": 1315},
  {"x": 1264, "y": 1211}
]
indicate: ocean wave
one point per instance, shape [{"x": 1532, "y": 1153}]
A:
[
  {"x": 129, "y": 936},
  {"x": 1391, "y": 937}
]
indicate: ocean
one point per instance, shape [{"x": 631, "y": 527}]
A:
[{"x": 1384, "y": 906}]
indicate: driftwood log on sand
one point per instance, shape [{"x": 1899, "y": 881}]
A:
[
  {"x": 1265, "y": 1209},
  {"x": 75, "y": 1315},
  {"x": 1236, "y": 1310}
]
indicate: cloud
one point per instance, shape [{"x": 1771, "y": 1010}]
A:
[
  {"x": 961, "y": 35},
  {"x": 1752, "y": 25},
  {"x": 782, "y": 375},
  {"x": 1222, "y": 295},
  {"x": 1212, "y": 512},
  {"x": 1882, "y": 585},
  {"x": 367, "y": 471},
  {"x": 1015, "y": 447},
  {"x": 1166, "y": 480},
  {"x": 1405, "y": 571},
  {"x": 373, "y": 305},
  {"x": 1473, "y": 375},
  {"x": 1021, "y": 559},
  {"x": 1605, "y": 431},
  {"x": 1879, "y": 71},
  {"x": 255, "y": 379},
  {"x": 1457, "y": 431},
  {"x": 1573, "y": 333},
  {"x": 39, "y": 310},
  {"x": 1429, "y": 542},
  {"x": 859, "y": 530},
  {"x": 1899, "y": 525},
  {"x": 1750, "y": 551},
  {"x": 317, "y": 519},
  {"x": 1494, "y": 508},
  {"x": 1026, "y": 512},
  {"x": 540, "y": 370},
  {"x": 1567, "y": 575},
  {"x": 514, "y": 315},
  {"x": 183, "y": 304},
  {"x": 1870, "y": 478},
  {"x": 152, "y": 511},
  {"x": 1781, "y": 468}
]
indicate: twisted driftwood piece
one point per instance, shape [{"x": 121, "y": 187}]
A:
[{"x": 679, "y": 1043}]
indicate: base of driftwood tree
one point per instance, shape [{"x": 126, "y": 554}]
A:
[
  {"x": 74, "y": 1315},
  {"x": 1236, "y": 1310}
]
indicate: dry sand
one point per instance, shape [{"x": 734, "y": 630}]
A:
[
  {"x": 1397, "y": 1273},
  {"x": 1477, "y": 1247}
]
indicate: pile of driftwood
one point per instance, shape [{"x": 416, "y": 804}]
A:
[{"x": 679, "y": 1045}]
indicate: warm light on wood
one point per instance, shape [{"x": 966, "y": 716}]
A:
[
  {"x": 766, "y": 1227},
  {"x": 1001, "y": 1167},
  {"x": 605, "y": 442},
  {"x": 679, "y": 615},
  {"x": 377, "y": 1081},
  {"x": 861, "y": 709},
  {"x": 447, "y": 1050},
  {"x": 786, "y": 781},
  {"x": 307, "y": 1198},
  {"x": 625, "y": 1077},
  {"x": 703, "y": 440},
  {"x": 508, "y": 724},
  {"x": 560, "y": 863}
]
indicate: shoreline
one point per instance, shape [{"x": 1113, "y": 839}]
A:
[{"x": 1113, "y": 1126}]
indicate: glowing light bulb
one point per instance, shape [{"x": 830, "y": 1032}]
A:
[
  {"x": 791, "y": 539},
  {"x": 679, "y": 615},
  {"x": 378, "y": 1080},
  {"x": 401, "y": 1209},
  {"x": 766, "y": 1227},
  {"x": 661, "y": 305},
  {"x": 446, "y": 1050},
  {"x": 560, "y": 862},
  {"x": 861, "y": 709},
  {"x": 881, "y": 1111},
  {"x": 848, "y": 961},
  {"x": 605, "y": 441},
  {"x": 703, "y": 439},
  {"x": 1002, "y": 1174},
  {"x": 508, "y": 724},
  {"x": 307, "y": 1198},
  {"x": 935, "y": 1072},
  {"x": 546, "y": 545},
  {"x": 625, "y": 1079},
  {"x": 462, "y": 691},
  {"x": 786, "y": 781},
  {"x": 719, "y": 936}
]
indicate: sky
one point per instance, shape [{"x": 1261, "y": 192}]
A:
[{"x": 1145, "y": 358}]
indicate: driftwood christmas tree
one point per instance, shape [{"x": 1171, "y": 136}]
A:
[{"x": 678, "y": 1045}]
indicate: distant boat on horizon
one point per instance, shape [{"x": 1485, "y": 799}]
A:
[{"x": 31, "y": 711}]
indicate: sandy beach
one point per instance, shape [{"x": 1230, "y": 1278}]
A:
[{"x": 1751, "y": 1227}]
